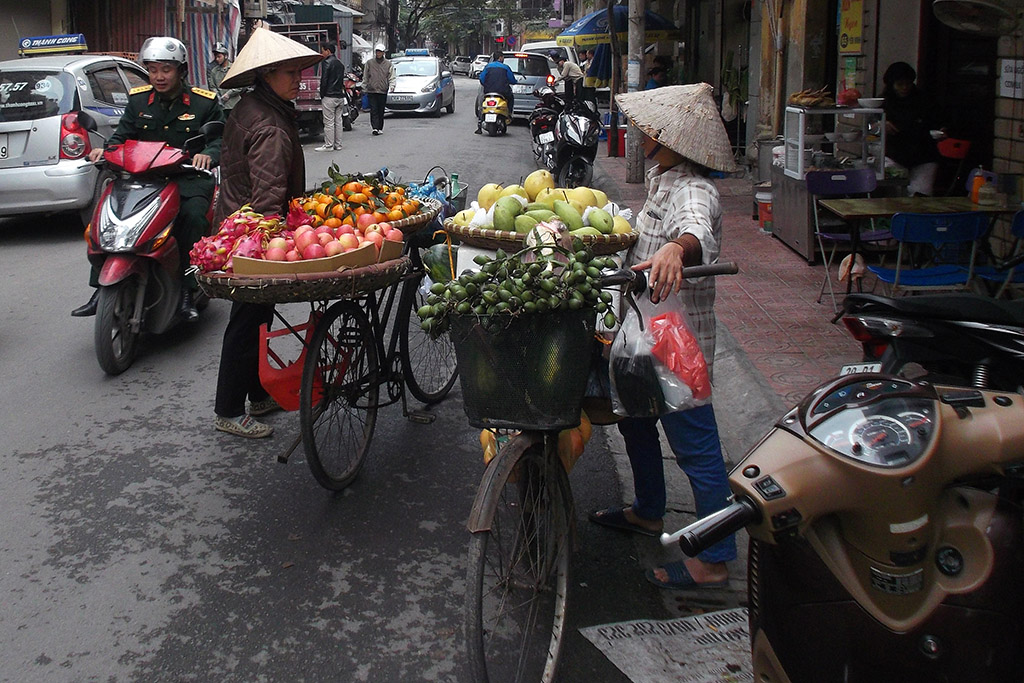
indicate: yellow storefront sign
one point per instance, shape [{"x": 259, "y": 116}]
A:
[{"x": 851, "y": 24}]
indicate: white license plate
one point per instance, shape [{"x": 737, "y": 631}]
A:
[
  {"x": 521, "y": 89},
  {"x": 490, "y": 118},
  {"x": 544, "y": 138},
  {"x": 401, "y": 98},
  {"x": 857, "y": 368},
  {"x": 3, "y": 146}
]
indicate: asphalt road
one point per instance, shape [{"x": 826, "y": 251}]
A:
[{"x": 139, "y": 544}]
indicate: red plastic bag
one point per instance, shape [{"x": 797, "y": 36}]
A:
[{"x": 677, "y": 348}]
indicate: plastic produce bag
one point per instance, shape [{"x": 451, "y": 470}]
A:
[{"x": 642, "y": 384}]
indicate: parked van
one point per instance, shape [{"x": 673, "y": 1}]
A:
[{"x": 548, "y": 46}]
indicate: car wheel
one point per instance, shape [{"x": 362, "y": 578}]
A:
[{"x": 451, "y": 107}]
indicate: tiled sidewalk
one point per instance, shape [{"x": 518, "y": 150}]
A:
[{"x": 769, "y": 307}]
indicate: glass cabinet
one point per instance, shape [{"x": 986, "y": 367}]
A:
[{"x": 833, "y": 138}]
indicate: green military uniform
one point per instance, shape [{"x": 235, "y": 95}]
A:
[
  {"x": 151, "y": 118},
  {"x": 229, "y": 97}
]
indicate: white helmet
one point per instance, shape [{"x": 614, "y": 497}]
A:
[
  {"x": 379, "y": 47},
  {"x": 163, "y": 49},
  {"x": 220, "y": 48}
]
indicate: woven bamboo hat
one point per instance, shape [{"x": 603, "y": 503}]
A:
[
  {"x": 266, "y": 48},
  {"x": 683, "y": 118}
]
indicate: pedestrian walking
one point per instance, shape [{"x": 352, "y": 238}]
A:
[
  {"x": 262, "y": 166},
  {"x": 215, "y": 73},
  {"x": 332, "y": 98},
  {"x": 378, "y": 81},
  {"x": 680, "y": 225}
]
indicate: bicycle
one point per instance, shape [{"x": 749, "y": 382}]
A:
[
  {"x": 522, "y": 524},
  {"x": 348, "y": 363}
]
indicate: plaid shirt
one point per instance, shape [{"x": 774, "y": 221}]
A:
[{"x": 680, "y": 202}]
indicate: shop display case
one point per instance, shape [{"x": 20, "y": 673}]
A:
[
  {"x": 834, "y": 137},
  {"x": 822, "y": 139}
]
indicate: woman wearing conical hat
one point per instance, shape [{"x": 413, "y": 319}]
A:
[
  {"x": 262, "y": 165},
  {"x": 680, "y": 225}
]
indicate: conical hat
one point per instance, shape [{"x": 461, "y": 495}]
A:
[
  {"x": 683, "y": 118},
  {"x": 266, "y": 48}
]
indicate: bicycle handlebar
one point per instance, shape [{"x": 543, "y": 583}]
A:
[{"x": 704, "y": 533}]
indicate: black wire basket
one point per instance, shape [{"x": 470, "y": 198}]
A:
[{"x": 524, "y": 372}]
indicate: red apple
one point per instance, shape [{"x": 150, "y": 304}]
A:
[
  {"x": 384, "y": 226},
  {"x": 333, "y": 248},
  {"x": 365, "y": 220},
  {"x": 314, "y": 250},
  {"x": 278, "y": 243},
  {"x": 275, "y": 254},
  {"x": 305, "y": 227},
  {"x": 325, "y": 237},
  {"x": 293, "y": 255},
  {"x": 345, "y": 229},
  {"x": 322, "y": 229},
  {"x": 395, "y": 235},
  {"x": 304, "y": 239},
  {"x": 376, "y": 238},
  {"x": 348, "y": 241}
]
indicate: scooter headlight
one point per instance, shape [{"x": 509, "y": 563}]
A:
[{"x": 120, "y": 235}]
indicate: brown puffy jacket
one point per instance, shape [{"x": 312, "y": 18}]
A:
[{"x": 261, "y": 159}]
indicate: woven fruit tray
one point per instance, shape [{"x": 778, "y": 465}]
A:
[
  {"x": 280, "y": 289},
  {"x": 502, "y": 239},
  {"x": 429, "y": 208}
]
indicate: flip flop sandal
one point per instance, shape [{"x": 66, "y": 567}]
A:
[
  {"x": 248, "y": 428},
  {"x": 615, "y": 518},
  {"x": 679, "y": 578}
]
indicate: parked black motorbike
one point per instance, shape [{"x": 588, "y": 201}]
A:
[
  {"x": 962, "y": 339},
  {"x": 565, "y": 137},
  {"x": 353, "y": 99}
]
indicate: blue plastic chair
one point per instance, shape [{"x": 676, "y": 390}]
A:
[
  {"x": 832, "y": 229},
  {"x": 1011, "y": 276},
  {"x": 942, "y": 232}
]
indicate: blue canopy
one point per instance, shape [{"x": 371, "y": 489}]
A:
[{"x": 593, "y": 29}]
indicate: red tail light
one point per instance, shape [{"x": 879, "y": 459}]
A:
[
  {"x": 74, "y": 140},
  {"x": 551, "y": 79},
  {"x": 874, "y": 345}
]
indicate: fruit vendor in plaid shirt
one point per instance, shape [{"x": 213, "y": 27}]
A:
[{"x": 679, "y": 225}]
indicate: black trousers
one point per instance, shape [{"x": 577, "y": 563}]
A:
[
  {"x": 239, "y": 374},
  {"x": 377, "y": 102}
]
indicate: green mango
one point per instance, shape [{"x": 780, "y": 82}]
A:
[
  {"x": 510, "y": 204},
  {"x": 540, "y": 214},
  {"x": 525, "y": 223},
  {"x": 534, "y": 206},
  {"x": 600, "y": 219},
  {"x": 569, "y": 215},
  {"x": 587, "y": 230},
  {"x": 504, "y": 219}
]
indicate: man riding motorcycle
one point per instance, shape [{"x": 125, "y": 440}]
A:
[
  {"x": 169, "y": 110},
  {"x": 498, "y": 78}
]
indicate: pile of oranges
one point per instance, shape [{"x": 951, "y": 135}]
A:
[{"x": 343, "y": 204}]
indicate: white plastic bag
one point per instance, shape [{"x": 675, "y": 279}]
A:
[{"x": 642, "y": 385}]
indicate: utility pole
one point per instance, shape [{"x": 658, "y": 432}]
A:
[{"x": 637, "y": 30}]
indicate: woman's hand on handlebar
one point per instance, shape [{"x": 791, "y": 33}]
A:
[
  {"x": 666, "y": 277},
  {"x": 202, "y": 161},
  {"x": 95, "y": 154}
]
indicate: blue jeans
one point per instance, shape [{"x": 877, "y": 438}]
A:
[{"x": 693, "y": 436}]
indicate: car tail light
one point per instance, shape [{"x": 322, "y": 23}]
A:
[{"x": 74, "y": 140}]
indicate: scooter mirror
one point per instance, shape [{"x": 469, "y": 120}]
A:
[{"x": 85, "y": 120}]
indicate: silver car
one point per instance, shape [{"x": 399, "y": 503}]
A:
[
  {"x": 421, "y": 86},
  {"x": 461, "y": 64},
  {"x": 42, "y": 149},
  {"x": 478, "y": 65}
]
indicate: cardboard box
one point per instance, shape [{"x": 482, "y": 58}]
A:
[{"x": 363, "y": 256}]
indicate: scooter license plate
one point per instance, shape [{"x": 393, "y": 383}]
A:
[
  {"x": 545, "y": 138},
  {"x": 857, "y": 368},
  {"x": 490, "y": 118}
]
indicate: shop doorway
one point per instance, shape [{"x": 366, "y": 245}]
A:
[{"x": 959, "y": 72}]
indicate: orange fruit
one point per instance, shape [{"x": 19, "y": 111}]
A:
[
  {"x": 333, "y": 222},
  {"x": 396, "y": 215},
  {"x": 338, "y": 210},
  {"x": 357, "y": 198},
  {"x": 351, "y": 187},
  {"x": 309, "y": 207},
  {"x": 323, "y": 209},
  {"x": 348, "y": 220}
]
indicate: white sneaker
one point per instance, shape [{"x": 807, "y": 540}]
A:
[
  {"x": 323, "y": 148},
  {"x": 376, "y": 132}
]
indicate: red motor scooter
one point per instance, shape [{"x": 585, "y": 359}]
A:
[
  {"x": 129, "y": 240},
  {"x": 885, "y": 524}
]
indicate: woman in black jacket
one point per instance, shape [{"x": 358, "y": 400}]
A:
[{"x": 909, "y": 120}]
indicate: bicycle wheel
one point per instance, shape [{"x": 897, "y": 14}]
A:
[
  {"x": 428, "y": 365},
  {"x": 339, "y": 395},
  {"x": 518, "y": 579}
]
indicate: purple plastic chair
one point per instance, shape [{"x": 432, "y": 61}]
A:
[{"x": 860, "y": 182}]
